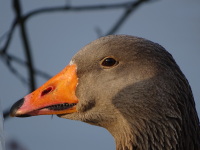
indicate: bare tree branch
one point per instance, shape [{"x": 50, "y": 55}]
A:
[
  {"x": 27, "y": 49},
  {"x": 21, "y": 19},
  {"x": 126, "y": 5}
]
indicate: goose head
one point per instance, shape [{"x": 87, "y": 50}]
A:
[{"x": 128, "y": 85}]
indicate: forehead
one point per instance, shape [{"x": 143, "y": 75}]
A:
[{"x": 117, "y": 46}]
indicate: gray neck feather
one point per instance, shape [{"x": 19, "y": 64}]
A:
[{"x": 160, "y": 119}]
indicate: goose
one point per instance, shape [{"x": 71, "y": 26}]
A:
[{"x": 128, "y": 85}]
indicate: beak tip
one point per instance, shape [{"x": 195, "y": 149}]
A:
[{"x": 15, "y": 108}]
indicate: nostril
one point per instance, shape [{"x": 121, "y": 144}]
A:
[{"x": 46, "y": 91}]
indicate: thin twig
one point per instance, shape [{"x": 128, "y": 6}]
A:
[
  {"x": 9, "y": 36},
  {"x": 77, "y": 8},
  {"x": 132, "y": 7},
  {"x": 16, "y": 73},
  {"x": 11, "y": 58}
]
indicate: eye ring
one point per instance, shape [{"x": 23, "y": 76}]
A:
[{"x": 108, "y": 62}]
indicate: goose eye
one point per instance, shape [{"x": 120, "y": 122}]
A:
[{"x": 108, "y": 62}]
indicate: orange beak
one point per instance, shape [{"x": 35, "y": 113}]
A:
[{"x": 56, "y": 96}]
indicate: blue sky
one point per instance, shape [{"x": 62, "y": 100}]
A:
[{"x": 56, "y": 37}]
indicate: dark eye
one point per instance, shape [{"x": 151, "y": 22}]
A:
[{"x": 108, "y": 62}]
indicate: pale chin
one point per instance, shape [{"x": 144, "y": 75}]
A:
[{"x": 70, "y": 116}]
